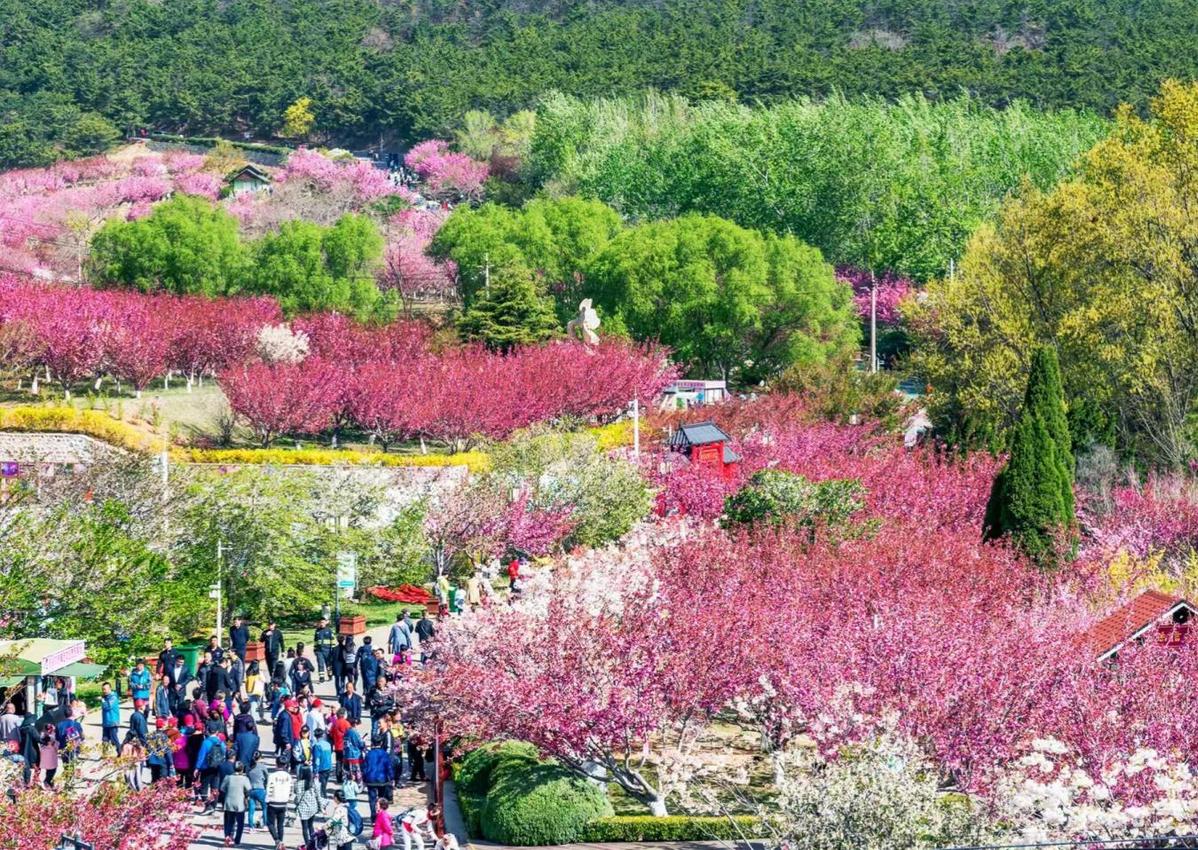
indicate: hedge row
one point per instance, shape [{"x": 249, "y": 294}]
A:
[
  {"x": 475, "y": 461},
  {"x": 71, "y": 420},
  {"x": 672, "y": 828}
]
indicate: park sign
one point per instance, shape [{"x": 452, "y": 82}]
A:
[{"x": 347, "y": 571}]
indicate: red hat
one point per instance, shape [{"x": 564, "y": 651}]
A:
[
  {"x": 160, "y": 723},
  {"x": 291, "y": 704},
  {"x": 139, "y": 704},
  {"x": 316, "y": 703}
]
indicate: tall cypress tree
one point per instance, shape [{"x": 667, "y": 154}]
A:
[{"x": 1032, "y": 497}]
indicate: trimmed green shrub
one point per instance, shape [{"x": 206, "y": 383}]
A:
[
  {"x": 473, "y": 774},
  {"x": 539, "y": 803},
  {"x": 672, "y": 828}
]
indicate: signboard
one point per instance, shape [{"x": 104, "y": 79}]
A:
[
  {"x": 54, "y": 661},
  {"x": 214, "y": 591},
  {"x": 347, "y": 571}
]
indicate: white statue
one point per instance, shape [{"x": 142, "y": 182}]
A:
[{"x": 582, "y": 327}]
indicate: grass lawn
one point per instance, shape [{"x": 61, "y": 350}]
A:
[{"x": 376, "y": 613}]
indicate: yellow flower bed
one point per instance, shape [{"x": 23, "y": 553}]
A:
[
  {"x": 476, "y": 461},
  {"x": 93, "y": 423},
  {"x": 102, "y": 426},
  {"x": 612, "y": 436}
]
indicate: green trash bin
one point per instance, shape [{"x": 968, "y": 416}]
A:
[{"x": 191, "y": 655}]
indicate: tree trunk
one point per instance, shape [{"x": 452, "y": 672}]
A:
[{"x": 657, "y": 808}]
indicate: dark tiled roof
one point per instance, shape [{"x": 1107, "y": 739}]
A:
[
  {"x": 701, "y": 433},
  {"x": 729, "y": 455}
]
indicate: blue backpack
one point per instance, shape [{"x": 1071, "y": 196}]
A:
[{"x": 351, "y": 747}]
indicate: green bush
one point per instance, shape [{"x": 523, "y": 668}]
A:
[
  {"x": 673, "y": 828},
  {"x": 474, "y": 773},
  {"x": 539, "y": 803}
]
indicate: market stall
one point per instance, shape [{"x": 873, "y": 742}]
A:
[{"x": 28, "y": 668}]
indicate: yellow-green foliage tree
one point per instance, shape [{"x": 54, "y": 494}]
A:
[
  {"x": 298, "y": 119},
  {"x": 1105, "y": 267}
]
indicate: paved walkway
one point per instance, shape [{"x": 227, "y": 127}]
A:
[{"x": 212, "y": 826}]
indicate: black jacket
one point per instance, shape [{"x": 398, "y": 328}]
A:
[
  {"x": 218, "y": 680},
  {"x": 272, "y": 642},
  {"x": 30, "y": 737},
  {"x": 239, "y": 636},
  {"x": 424, "y": 628}
]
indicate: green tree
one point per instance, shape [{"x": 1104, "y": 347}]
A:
[
  {"x": 309, "y": 267},
  {"x": 510, "y": 313},
  {"x": 729, "y": 301},
  {"x": 186, "y": 245},
  {"x": 605, "y": 495},
  {"x": 1101, "y": 268},
  {"x": 1032, "y": 498},
  {"x": 555, "y": 237},
  {"x": 778, "y": 498}
]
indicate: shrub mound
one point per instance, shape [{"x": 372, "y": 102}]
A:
[
  {"x": 475, "y": 772},
  {"x": 534, "y": 803}
]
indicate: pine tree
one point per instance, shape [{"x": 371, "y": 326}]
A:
[
  {"x": 510, "y": 312},
  {"x": 1032, "y": 498}
]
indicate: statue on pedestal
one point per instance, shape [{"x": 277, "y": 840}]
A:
[{"x": 582, "y": 327}]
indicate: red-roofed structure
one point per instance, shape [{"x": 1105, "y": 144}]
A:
[{"x": 1151, "y": 613}]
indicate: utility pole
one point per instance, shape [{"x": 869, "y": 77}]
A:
[
  {"x": 873, "y": 322},
  {"x": 636, "y": 429},
  {"x": 487, "y": 270},
  {"x": 220, "y": 559}
]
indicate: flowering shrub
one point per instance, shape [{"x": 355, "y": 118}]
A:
[
  {"x": 892, "y": 290},
  {"x": 445, "y": 173}
]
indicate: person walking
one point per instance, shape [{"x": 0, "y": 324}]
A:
[
  {"x": 30, "y": 752},
  {"x": 322, "y": 761},
  {"x": 323, "y": 642},
  {"x": 235, "y": 790},
  {"x": 377, "y": 775},
  {"x": 134, "y": 754},
  {"x": 337, "y": 826},
  {"x": 164, "y": 697},
  {"x": 368, "y": 662},
  {"x": 257, "y": 774},
  {"x": 415, "y": 759},
  {"x": 137, "y": 722},
  {"x": 110, "y": 717},
  {"x": 239, "y": 637},
  {"x": 338, "y": 665},
  {"x": 352, "y": 703},
  {"x": 279, "y": 786},
  {"x": 284, "y": 735},
  {"x": 307, "y": 802},
  {"x": 48, "y": 755},
  {"x": 425, "y": 628},
  {"x": 69, "y": 735},
  {"x": 400, "y": 636},
  {"x": 255, "y": 689},
  {"x": 337, "y": 730},
  {"x": 383, "y": 835},
  {"x": 139, "y": 682},
  {"x": 349, "y": 662},
  {"x": 272, "y": 645},
  {"x": 208, "y": 761},
  {"x": 159, "y": 751}
]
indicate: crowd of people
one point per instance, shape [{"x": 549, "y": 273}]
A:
[{"x": 203, "y": 729}]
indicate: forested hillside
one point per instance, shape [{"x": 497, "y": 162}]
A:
[{"x": 75, "y": 73}]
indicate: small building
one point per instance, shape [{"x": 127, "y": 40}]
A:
[
  {"x": 1152, "y": 615},
  {"x": 28, "y": 667},
  {"x": 706, "y": 445},
  {"x": 681, "y": 395},
  {"x": 249, "y": 178}
]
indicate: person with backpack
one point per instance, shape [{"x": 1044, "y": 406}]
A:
[
  {"x": 279, "y": 787},
  {"x": 349, "y": 787},
  {"x": 208, "y": 761},
  {"x": 137, "y": 722},
  {"x": 340, "y": 837},
  {"x": 29, "y": 750},
  {"x": 377, "y": 775},
  {"x": 352, "y": 750},
  {"x": 69, "y": 735}
]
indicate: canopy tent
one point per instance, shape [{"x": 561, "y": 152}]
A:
[{"x": 23, "y": 663}]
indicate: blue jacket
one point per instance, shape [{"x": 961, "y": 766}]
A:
[
  {"x": 370, "y": 666},
  {"x": 284, "y": 737},
  {"x": 110, "y": 710},
  {"x": 352, "y": 745},
  {"x": 137, "y": 725},
  {"x": 162, "y": 701},
  {"x": 322, "y": 756},
  {"x": 205, "y": 748},
  {"x": 377, "y": 768},
  {"x": 139, "y": 683},
  {"x": 246, "y": 744},
  {"x": 352, "y": 706}
]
